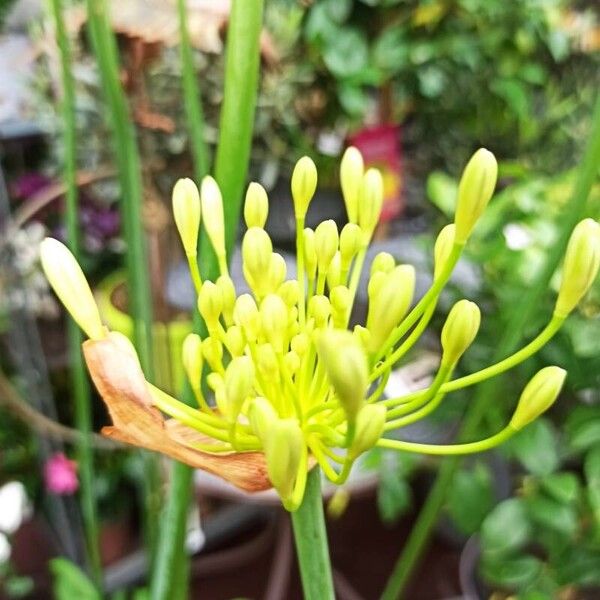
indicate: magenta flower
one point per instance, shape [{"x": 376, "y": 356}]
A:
[{"x": 60, "y": 475}]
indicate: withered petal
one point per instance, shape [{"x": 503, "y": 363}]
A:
[{"x": 122, "y": 385}]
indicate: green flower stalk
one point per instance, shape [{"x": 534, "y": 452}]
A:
[{"x": 291, "y": 385}]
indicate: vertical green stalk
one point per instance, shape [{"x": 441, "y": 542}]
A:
[
  {"x": 128, "y": 166},
  {"x": 242, "y": 62},
  {"x": 191, "y": 97},
  {"x": 310, "y": 535},
  {"x": 574, "y": 211},
  {"x": 237, "y": 120},
  {"x": 79, "y": 381}
]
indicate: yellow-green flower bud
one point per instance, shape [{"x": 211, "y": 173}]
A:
[
  {"x": 362, "y": 335},
  {"x": 262, "y": 416},
  {"x": 192, "y": 359},
  {"x": 389, "y": 304},
  {"x": 292, "y": 362},
  {"x": 221, "y": 400},
  {"x": 300, "y": 343},
  {"x": 443, "y": 248},
  {"x": 70, "y": 285},
  {"x": 370, "y": 423},
  {"x": 474, "y": 192},
  {"x": 214, "y": 381},
  {"x": 370, "y": 201},
  {"x": 289, "y": 292},
  {"x": 212, "y": 214},
  {"x": 239, "y": 382},
  {"x": 256, "y": 206},
  {"x": 186, "y": 211},
  {"x": 274, "y": 319},
  {"x": 310, "y": 253},
  {"x": 347, "y": 368},
  {"x": 384, "y": 262},
  {"x": 277, "y": 271},
  {"x": 304, "y": 184},
  {"x": 376, "y": 281},
  {"x": 326, "y": 243},
  {"x": 212, "y": 349},
  {"x": 341, "y": 299},
  {"x": 267, "y": 361},
  {"x": 338, "y": 503},
  {"x": 319, "y": 308},
  {"x": 246, "y": 315},
  {"x": 351, "y": 174},
  {"x": 283, "y": 451},
  {"x": 537, "y": 397},
  {"x": 257, "y": 249},
  {"x": 459, "y": 330},
  {"x": 350, "y": 243},
  {"x": 210, "y": 303},
  {"x": 580, "y": 268},
  {"x": 234, "y": 340},
  {"x": 334, "y": 271}
]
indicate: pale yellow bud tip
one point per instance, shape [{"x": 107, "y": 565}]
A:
[
  {"x": 70, "y": 285},
  {"x": 443, "y": 247},
  {"x": 459, "y": 330},
  {"x": 474, "y": 192},
  {"x": 256, "y": 206},
  {"x": 304, "y": 184},
  {"x": 582, "y": 261},
  {"x": 539, "y": 394},
  {"x": 351, "y": 174},
  {"x": 212, "y": 213},
  {"x": 186, "y": 211}
]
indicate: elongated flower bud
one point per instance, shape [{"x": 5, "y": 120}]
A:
[
  {"x": 300, "y": 343},
  {"x": 234, "y": 340},
  {"x": 274, "y": 319},
  {"x": 442, "y": 249},
  {"x": 370, "y": 422},
  {"x": 350, "y": 241},
  {"x": 310, "y": 253},
  {"x": 212, "y": 349},
  {"x": 389, "y": 304},
  {"x": 283, "y": 452},
  {"x": 289, "y": 292},
  {"x": 370, "y": 201},
  {"x": 256, "y": 250},
  {"x": 539, "y": 394},
  {"x": 347, "y": 368},
  {"x": 334, "y": 271},
  {"x": 212, "y": 214},
  {"x": 256, "y": 206},
  {"x": 186, "y": 211},
  {"x": 351, "y": 174},
  {"x": 580, "y": 268},
  {"x": 225, "y": 284},
  {"x": 383, "y": 263},
  {"x": 239, "y": 381},
  {"x": 341, "y": 300},
  {"x": 319, "y": 308},
  {"x": 474, "y": 192},
  {"x": 267, "y": 361},
  {"x": 326, "y": 243},
  {"x": 262, "y": 416},
  {"x": 70, "y": 285},
  {"x": 192, "y": 359},
  {"x": 459, "y": 330},
  {"x": 210, "y": 303},
  {"x": 277, "y": 271},
  {"x": 304, "y": 184},
  {"x": 246, "y": 315}
]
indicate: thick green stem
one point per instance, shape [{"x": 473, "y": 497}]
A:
[
  {"x": 310, "y": 535},
  {"x": 417, "y": 541},
  {"x": 79, "y": 381}
]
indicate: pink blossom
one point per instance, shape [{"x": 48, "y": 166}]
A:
[{"x": 60, "y": 475}]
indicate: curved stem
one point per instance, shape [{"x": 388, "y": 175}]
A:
[{"x": 310, "y": 536}]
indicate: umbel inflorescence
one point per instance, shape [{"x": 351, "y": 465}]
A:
[{"x": 288, "y": 384}]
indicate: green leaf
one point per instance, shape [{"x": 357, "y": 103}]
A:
[
  {"x": 553, "y": 516},
  {"x": 536, "y": 447},
  {"x": 512, "y": 573},
  {"x": 470, "y": 498},
  {"x": 347, "y": 53},
  {"x": 353, "y": 99},
  {"x": 562, "y": 487},
  {"x": 394, "y": 496},
  {"x": 71, "y": 582},
  {"x": 506, "y": 528},
  {"x": 591, "y": 468},
  {"x": 390, "y": 50},
  {"x": 442, "y": 190}
]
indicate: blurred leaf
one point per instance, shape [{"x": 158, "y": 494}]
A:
[
  {"x": 347, "y": 53},
  {"x": 432, "y": 81},
  {"x": 442, "y": 190},
  {"x": 471, "y": 497},
  {"x": 512, "y": 573},
  {"x": 591, "y": 469},
  {"x": 338, "y": 10},
  {"x": 535, "y": 447},
  {"x": 581, "y": 568},
  {"x": 353, "y": 99},
  {"x": 552, "y": 515},
  {"x": 562, "y": 487},
  {"x": 394, "y": 496},
  {"x": 390, "y": 50},
  {"x": 70, "y": 582},
  {"x": 506, "y": 528}
]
